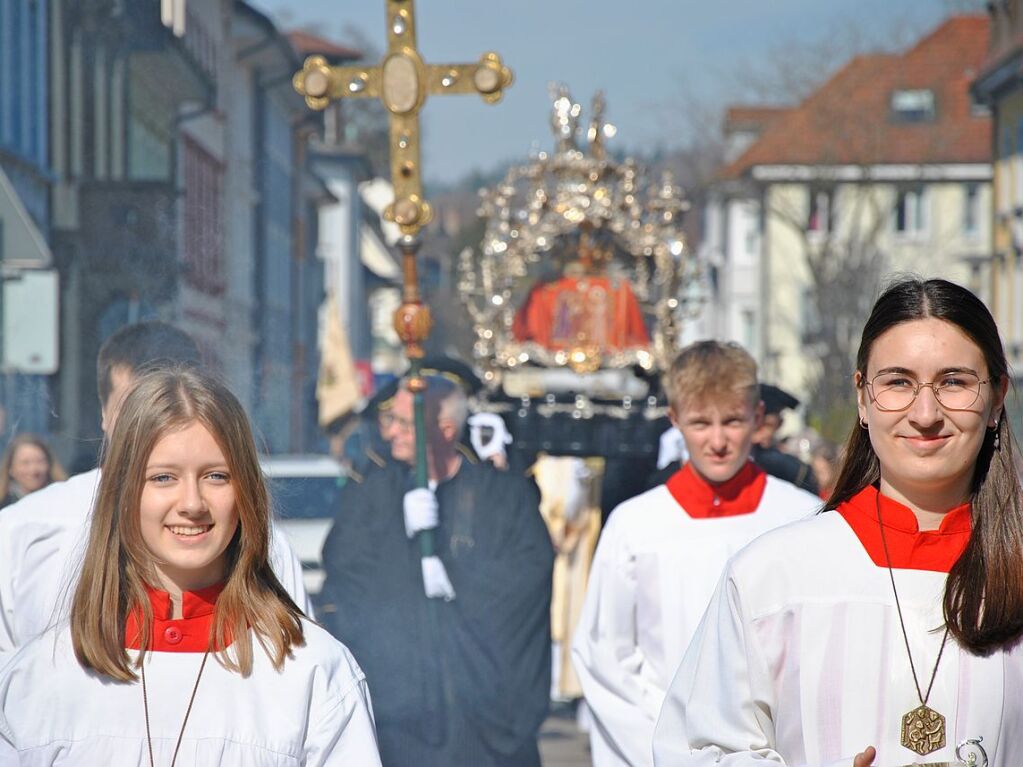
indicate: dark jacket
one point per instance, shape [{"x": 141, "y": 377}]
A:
[{"x": 464, "y": 682}]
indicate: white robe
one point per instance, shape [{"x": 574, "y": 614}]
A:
[
  {"x": 316, "y": 712},
  {"x": 653, "y": 574},
  {"x": 800, "y": 660},
  {"x": 42, "y": 543}
]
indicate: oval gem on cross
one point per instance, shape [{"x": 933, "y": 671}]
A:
[
  {"x": 400, "y": 84},
  {"x": 316, "y": 83},
  {"x": 486, "y": 79},
  {"x": 406, "y": 211}
]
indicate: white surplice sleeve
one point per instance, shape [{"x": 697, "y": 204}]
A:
[
  {"x": 344, "y": 735},
  {"x": 288, "y": 569},
  {"x": 719, "y": 707},
  {"x": 9, "y": 560},
  {"x": 8, "y": 753},
  {"x": 608, "y": 659}
]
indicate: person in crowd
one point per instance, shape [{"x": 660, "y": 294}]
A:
[
  {"x": 660, "y": 554},
  {"x": 885, "y": 631},
  {"x": 29, "y": 464},
  {"x": 456, "y": 645},
  {"x": 766, "y": 451},
  {"x": 182, "y": 641},
  {"x": 41, "y": 536}
]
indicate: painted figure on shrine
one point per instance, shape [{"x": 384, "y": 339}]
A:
[{"x": 584, "y": 308}]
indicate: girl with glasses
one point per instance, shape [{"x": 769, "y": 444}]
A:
[
  {"x": 884, "y": 631},
  {"x": 183, "y": 647}
]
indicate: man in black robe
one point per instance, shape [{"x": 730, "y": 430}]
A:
[
  {"x": 765, "y": 452},
  {"x": 454, "y": 682}
]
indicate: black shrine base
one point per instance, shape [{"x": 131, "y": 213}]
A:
[{"x": 567, "y": 433}]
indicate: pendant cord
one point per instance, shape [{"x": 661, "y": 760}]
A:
[
  {"x": 191, "y": 700},
  {"x": 905, "y": 636}
]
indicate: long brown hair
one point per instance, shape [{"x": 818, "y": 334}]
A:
[
  {"x": 118, "y": 564},
  {"x": 55, "y": 473},
  {"x": 983, "y": 601}
]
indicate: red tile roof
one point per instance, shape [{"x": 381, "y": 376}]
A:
[
  {"x": 307, "y": 44},
  {"x": 847, "y": 121},
  {"x": 746, "y": 117}
]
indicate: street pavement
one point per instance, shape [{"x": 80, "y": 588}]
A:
[{"x": 561, "y": 742}]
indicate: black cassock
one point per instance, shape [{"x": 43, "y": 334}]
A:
[{"x": 465, "y": 682}]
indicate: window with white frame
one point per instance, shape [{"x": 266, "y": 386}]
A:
[
  {"x": 820, "y": 211},
  {"x": 909, "y": 214},
  {"x": 752, "y": 229},
  {"x": 971, "y": 208},
  {"x": 809, "y": 317},
  {"x": 203, "y": 218},
  {"x": 749, "y": 328},
  {"x": 913, "y": 105}
]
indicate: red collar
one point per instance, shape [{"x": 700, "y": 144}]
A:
[
  {"x": 190, "y": 633},
  {"x": 702, "y": 500},
  {"x": 910, "y": 549}
]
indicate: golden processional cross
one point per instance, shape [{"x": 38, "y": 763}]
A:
[{"x": 402, "y": 81}]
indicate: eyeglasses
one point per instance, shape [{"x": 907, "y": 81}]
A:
[
  {"x": 898, "y": 391},
  {"x": 390, "y": 420}
]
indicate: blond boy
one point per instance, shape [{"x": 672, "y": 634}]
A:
[{"x": 662, "y": 552}]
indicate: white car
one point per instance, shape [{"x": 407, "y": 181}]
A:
[{"x": 304, "y": 494}]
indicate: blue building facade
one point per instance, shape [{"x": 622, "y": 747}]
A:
[
  {"x": 24, "y": 103},
  {"x": 25, "y": 161},
  {"x": 274, "y": 292}
]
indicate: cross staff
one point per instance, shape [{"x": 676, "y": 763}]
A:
[{"x": 402, "y": 81}]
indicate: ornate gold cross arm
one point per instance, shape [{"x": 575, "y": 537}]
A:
[
  {"x": 402, "y": 81},
  {"x": 488, "y": 77}
]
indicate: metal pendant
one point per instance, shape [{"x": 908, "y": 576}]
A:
[
  {"x": 923, "y": 730},
  {"x": 971, "y": 753}
]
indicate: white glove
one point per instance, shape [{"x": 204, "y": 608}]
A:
[
  {"x": 420, "y": 511},
  {"x": 500, "y": 437},
  {"x": 435, "y": 579},
  {"x": 576, "y": 489},
  {"x": 672, "y": 448}
]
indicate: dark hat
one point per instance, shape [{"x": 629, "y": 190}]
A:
[
  {"x": 775, "y": 399},
  {"x": 380, "y": 399},
  {"x": 454, "y": 370},
  {"x": 446, "y": 367}
]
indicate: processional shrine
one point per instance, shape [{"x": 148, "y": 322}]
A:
[{"x": 577, "y": 296}]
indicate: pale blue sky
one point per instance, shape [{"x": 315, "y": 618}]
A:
[{"x": 642, "y": 53}]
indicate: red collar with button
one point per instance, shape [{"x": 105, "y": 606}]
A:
[
  {"x": 189, "y": 633},
  {"x": 909, "y": 547},
  {"x": 701, "y": 500}
]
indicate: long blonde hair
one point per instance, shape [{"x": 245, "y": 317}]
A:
[{"x": 118, "y": 564}]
